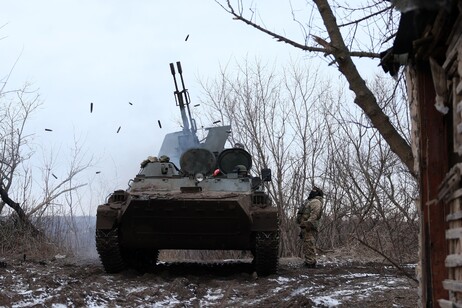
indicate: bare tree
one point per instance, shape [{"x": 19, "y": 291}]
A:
[
  {"x": 337, "y": 44},
  {"x": 269, "y": 113},
  {"x": 369, "y": 193},
  {"x": 16, "y": 108},
  {"x": 372, "y": 191},
  {"x": 64, "y": 187}
]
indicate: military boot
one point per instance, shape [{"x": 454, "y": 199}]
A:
[{"x": 310, "y": 265}]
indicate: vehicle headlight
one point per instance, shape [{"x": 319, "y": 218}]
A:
[{"x": 199, "y": 177}]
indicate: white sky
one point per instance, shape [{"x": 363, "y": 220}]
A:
[{"x": 112, "y": 52}]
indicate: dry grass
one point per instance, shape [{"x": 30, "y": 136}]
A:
[{"x": 17, "y": 241}]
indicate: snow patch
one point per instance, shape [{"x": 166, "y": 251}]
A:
[
  {"x": 211, "y": 295},
  {"x": 282, "y": 280},
  {"x": 326, "y": 301}
]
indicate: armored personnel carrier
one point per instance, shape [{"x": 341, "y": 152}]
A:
[{"x": 193, "y": 195}]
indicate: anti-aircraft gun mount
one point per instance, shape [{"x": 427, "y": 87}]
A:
[{"x": 210, "y": 202}]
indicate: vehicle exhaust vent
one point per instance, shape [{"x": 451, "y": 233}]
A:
[
  {"x": 259, "y": 199},
  {"x": 194, "y": 189},
  {"x": 118, "y": 196}
]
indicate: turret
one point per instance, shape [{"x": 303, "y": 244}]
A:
[{"x": 175, "y": 144}]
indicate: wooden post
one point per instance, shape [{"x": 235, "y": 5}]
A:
[{"x": 433, "y": 168}]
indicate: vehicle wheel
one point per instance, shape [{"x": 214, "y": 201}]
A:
[
  {"x": 266, "y": 253},
  {"x": 107, "y": 245}
]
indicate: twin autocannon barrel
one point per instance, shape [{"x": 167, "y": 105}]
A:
[{"x": 182, "y": 98}]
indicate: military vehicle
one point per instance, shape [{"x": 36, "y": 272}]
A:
[{"x": 210, "y": 202}]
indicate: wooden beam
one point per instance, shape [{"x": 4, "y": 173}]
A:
[
  {"x": 448, "y": 304},
  {"x": 453, "y": 260},
  {"x": 454, "y": 233},
  {"x": 452, "y": 285},
  {"x": 433, "y": 148},
  {"x": 454, "y": 216}
]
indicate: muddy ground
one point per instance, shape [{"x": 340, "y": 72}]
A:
[{"x": 66, "y": 282}]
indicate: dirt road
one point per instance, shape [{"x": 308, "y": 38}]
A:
[{"x": 63, "y": 282}]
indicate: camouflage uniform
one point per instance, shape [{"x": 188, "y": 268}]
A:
[{"x": 308, "y": 216}]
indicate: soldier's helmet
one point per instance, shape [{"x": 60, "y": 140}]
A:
[
  {"x": 241, "y": 170},
  {"x": 316, "y": 191}
]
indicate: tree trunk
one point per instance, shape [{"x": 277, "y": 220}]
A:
[{"x": 19, "y": 211}]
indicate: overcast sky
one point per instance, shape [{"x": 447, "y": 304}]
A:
[{"x": 112, "y": 53}]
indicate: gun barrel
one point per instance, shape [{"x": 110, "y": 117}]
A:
[
  {"x": 186, "y": 98},
  {"x": 179, "y": 97}
]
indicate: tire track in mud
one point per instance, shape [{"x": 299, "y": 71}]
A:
[{"x": 196, "y": 284}]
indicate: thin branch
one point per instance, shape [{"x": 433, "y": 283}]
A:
[
  {"x": 280, "y": 38},
  {"x": 364, "y": 18},
  {"x": 52, "y": 197},
  {"x": 9, "y": 73},
  {"x": 402, "y": 270}
]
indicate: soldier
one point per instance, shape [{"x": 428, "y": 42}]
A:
[
  {"x": 238, "y": 145},
  {"x": 308, "y": 216}
]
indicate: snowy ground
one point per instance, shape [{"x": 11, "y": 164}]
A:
[{"x": 63, "y": 282}]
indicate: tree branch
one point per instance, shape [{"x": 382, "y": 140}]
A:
[
  {"x": 365, "y": 99},
  {"x": 402, "y": 270},
  {"x": 280, "y": 38}
]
